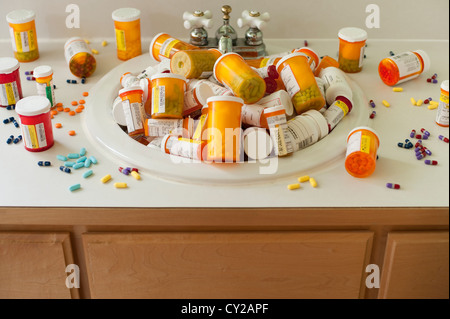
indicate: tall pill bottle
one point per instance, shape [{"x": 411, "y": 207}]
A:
[
  {"x": 79, "y": 57},
  {"x": 163, "y": 46},
  {"x": 36, "y": 125},
  {"x": 442, "y": 117},
  {"x": 10, "y": 86},
  {"x": 127, "y": 26},
  {"x": 44, "y": 82},
  {"x": 133, "y": 109},
  {"x": 362, "y": 148},
  {"x": 236, "y": 75},
  {"x": 23, "y": 35},
  {"x": 168, "y": 91},
  {"x": 403, "y": 67},
  {"x": 352, "y": 42},
  {"x": 224, "y": 129},
  {"x": 194, "y": 64}
]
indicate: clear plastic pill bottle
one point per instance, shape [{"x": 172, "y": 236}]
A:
[
  {"x": 36, "y": 125},
  {"x": 236, "y": 75},
  {"x": 133, "y": 109},
  {"x": 163, "y": 46},
  {"x": 442, "y": 117},
  {"x": 362, "y": 148},
  {"x": 10, "y": 86},
  {"x": 127, "y": 26},
  {"x": 44, "y": 82},
  {"x": 403, "y": 67},
  {"x": 313, "y": 57},
  {"x": 79, "y": 57},
  {"x": 23, "y": 35},
  {"x": 194, "y": 64},
  {"x": 352, "y": 42},
  {"x": 168, "y": 91},
  {"x": 324, "y": 63}
]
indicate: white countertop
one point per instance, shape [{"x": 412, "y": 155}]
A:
[{"x": 24, "y": 183}]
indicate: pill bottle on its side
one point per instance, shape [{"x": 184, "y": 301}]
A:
[
  {"x": 79, "y": 57},
  {"x": 324, "y": 63},
  {"x": 23, "y": 34},
  {"x": 163, "y": 47},
  {"x": 10, "y": 85},
  {"x": 195, "y": 99},
  {"x": 194, "y": 64},
  {"x": 257, "y": 143},
  {"x": 276, "y": 121},
  {"x": 362, "y": 148},
  {"x": 442, "y": 116},
  {"x": 279, "y": 98}
]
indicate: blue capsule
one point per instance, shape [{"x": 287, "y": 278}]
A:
[
  {"x": 83, "y": 151},
  {"x": 61, "y": 158},
  {"x": 87, "y": 163},
  {"x": 10, "y": 139},
  {"x": 74, "y": 187},
  {"x": 16, "y": 124},
  {"x": 78, "y": 165},
  {"x": 71, "y": 81},
  {"x": 46, "y": 163},
  {"x": 65, "y": 169},
  {"x": 11, "y": 107},
  {"x": 93, "y": 160},
  {"x": 81, "y": 159},
  {"x": 88, "y": 173},
  {"x": 391, "y": 53},
  {"x": 69, "y": 164},
  {"x": 73, "y": 155}
]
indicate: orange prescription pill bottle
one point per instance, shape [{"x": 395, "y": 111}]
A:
[
  {"x": 403, "y": 67},
  {"x": 127, "y": 25},
  {"x": 133, "y": 109},
  {"x": 362, "y": 147},
  {"x": 352, "y": 43},
  {"x": 168, "y": 96},
  {"x": 300, "y": 82},
  {"x": 23, "y": 35},
  {"x": 236, "y": 75},
  {"x": 442, "y": 116},
  {"x": 79, "y": 57},
  {"x": 262, "y": 62},
  {"x": 253, "y": 115},
  {"x": 44, "y": 82},
  {"x": 183, "y": 147},
  {"x": 194, "y": 64},
  {"x": 224, "y": 129},
  {"x": 164, "y": 46},
  {"x": 313, "y": 57},
  {"x": 324, "y": 63}
]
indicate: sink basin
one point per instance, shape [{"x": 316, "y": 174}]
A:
[{"x": 101, "y": 128}]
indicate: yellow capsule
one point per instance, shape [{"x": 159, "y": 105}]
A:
[
  {"x": 293, "y": 186},
  {"x": 313, "y": 182},
  {"x": 94, "y": 51},
  {"x": 413, "y": 101},
  {"x": 434, "y": 102},
  {"x": 87, "y": 41},
  {"x": 419, "y": 102},
  {"x": 303, "y": 179},
  {"x": 386, "y": 103},
  {"x": 105, "y": 178},
  {"x": 136, "y": 175},
  {"x": 432, "y": 106},
  {"x": 104, "y": 43},
  {"x": 120, "y": 185},
  {"x": 397, "y": 89}
]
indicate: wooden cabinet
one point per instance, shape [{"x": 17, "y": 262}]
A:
[
  {"x": 416, "y": 266},
  {"x": 32, "y": 265},
  {"x": 227, "y": 264}
]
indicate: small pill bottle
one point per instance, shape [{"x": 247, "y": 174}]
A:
[
  {"x": 10, "y": 85},
  {"x": 23, "y": 35},
  {"x": 253, "y": 115},
  {"x": 183, "y": 147},
  {"x": 163, "y": 46},
  {"x": 303, "y": 132},
  {"x": 362, "y": 148},
  {"x": 279, "y": 98},
  {"x": 442, "y": 117},
  {"x": 276, "y": 121},
  {"x": 300, "y": 82},
  {"x": 179, "y": 127},
  {"x": 257, "y": 143},
  {"x": 133, "y": 109},
  {"x": 335, "y": 84},
  {"x": 195, "y": 99},
  {"x": 236, "y": 75},
  {"x": 127, "y": 26},
  {"x": 313, "y": 57},
  {"x": 319, "y": 121},
  {"x": 79, "y": 57},
  {"x": 224, "y": 129},
  {"x": 44, "y": 82},
  {"x": 146, "y": 86},
  {"x": 403, "y": 67},
  {"x": 324, "y": 63},
  {"x": 168, "y": 95},
  {"x": 36, "y": 125},
  {"x": 352, "y": 44},
  {"x": 338, "y": 110},
  {"x": 194, "y": 64}
]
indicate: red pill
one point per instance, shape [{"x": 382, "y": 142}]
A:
[
  {"x": 429, "y": 80},
  {"x": 426, "y": 101},
  {"x": 306, "y": 43},
  {"x": 419, "y": 136},
  {"x": 430, "y": 162},
  {"x": 393, "y": 186}
]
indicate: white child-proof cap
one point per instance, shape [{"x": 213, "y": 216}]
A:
[
  {"x": 257, "y": 143},
  {"x": 352, "y": 34},
  {"x": 8, "y": 65},
  {"x": 284, "y": 99},
  {"x": 320, "y": 121},
  {"x": 118, "y": 113},
  {"x": 20, "y": 16},
  {"x": 126, "y": 14},
  {"x": 42, "y": 71},
  {"x": 225, "y": 99},
  {"x": 444, "y": 86},
  {"x": 203, "y": 92},
  {"x": 426, "y": 60},
  {"x": 33, "y": 105}
]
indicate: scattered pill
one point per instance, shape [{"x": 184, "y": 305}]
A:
[
  {"x": 93, "y": 160},
  {"x": 430, "y": 99},
  {"x": 372, "y": 116},
  {"x": 401, "y": 145},
  {"x": 104, "y": 43},
  {"x": 419, "y": 142},
  {"x": 419, "y": 136},
  {"x": 135, "y": 175},
  {"x": 94, "y": 51},
  {"x": 67, "y": 109},
  {"x": 391, "y": 53},
  {"x": 83, "y": 80},
  {"x": 85, "y": 94},
  {"x": 16, "y": 124},
  {"x": 58, "y": 104},
  {"x": 82, "y": 102},
  {"x": 393, "y": 186},
  {"x": 11, "y": 107},
  {"x": 432, "y": 107},
  {"x": 434, "y": 103},
  {"x": 10, "y": 139},
  {"x": 126, "y": 171},
  {"x": 74, "y": 187},
  {"x": 386, "y": 103},
  {"x": 430, "y": 162},
  {"x": 105, "y": 178},
  {"x": 29, "y": 72},
  {"x": 303, "y": 179},
  {"x": 16, "y": 140},
  {"x": 397, "y": 89},
  {"x": 64, "y": 169},
  {"x": 420, "y": 156},
  {"x": 305, "y": 43},
  {"x": 58, "y": 125},
  {"x": 429, "y": 80},
  {"x": 419, "y": 103},
  {"x": 82, "y": 159},
  {"x": 82, "y": 151},
  {"x": 6, "y": 121},
  {"x": 69, "y": 164},
  {"x": 372, "y": 103},
  {"x": 78, "y": 110},
  {"x": 78, "y": 165},
  {"x": 313, "y": 182},
  {"x": 81, "y": 106},
  {"x": 87, "y": 173},
  {"x": 413, "y": 101},
  {"x": 135, "y": 170},
  {"x": 434, "y": 81},
  {"x": 293, "y": 186},
  {"x": 425, "y": 137},
  {"x": 31, "y": 78},
  {"x": 71, "y": 81},
  {"x": 120, "y": 185},
  {"x": 443, "y": 138},
  {"x": 426, "y": 101},
  {"x": 434, "y": 76},
  {"x": 428, "y": 152},
  {"x": 74, "y": 103},
  {"x": 424, "y": 131},
  {"x": 60, "y": 108},
  {"x": 87, "y": 163},
  {"x": 61, "y": 158},
  {"x": 72, "y": 133},
  {"x": 72, "y": 113},
  {"x": 73, "y": 155}
]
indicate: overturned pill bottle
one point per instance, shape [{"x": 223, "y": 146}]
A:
[
  {"x": 236, "y": 75},
  {"x": 195, "y": 99},
  {"x": 23, "y": 35},
  {"x": 133, "y": 109},
  {"x": 262, "y": 62},
  {"x": 335, "y": 84},
  {"x": 127, "y": 26},
  {"x": 178, "y": 127},
  {"x": 128, "y": 79},
  {"x": 253, "y": 115},
  {"x": 304, "y": 130},
  {"x": 442, "y": 116},
  {"x": 312, "y": 56},
  {"x": 10, "y": 85},
  {"x": 300, "y": 82},
  {"x": 338, "y": 110},
  {"x": 403, "y": 67},
  {"x": 163, "y": 46},
  {"x": 324, "y": 63},
  {"x": 223, "y": 131},
  {"x": 168, "y": 96},
  {"x": 79, "y": 57},
  {"x": 279, "y": 98},
  {"x": 194, "y": 64},
  {"x": 352, "y": 44},
  {"x": 36, "y": 125},
  {"x": 257, "y": 143},
  {"x": 276, "y": 121},
  {"x": 44, "y": 82},
  {"x": 183, "y": 147},
  {"x": 362, "y": 148}
]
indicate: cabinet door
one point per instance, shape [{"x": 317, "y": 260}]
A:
[
  {"x": 32, "y": 265},
  {"x": 415, "y": 265},
  {"x": 227, "y": 265}
]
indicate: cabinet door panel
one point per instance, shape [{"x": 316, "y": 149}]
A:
[{"x": 227, "y": 265}]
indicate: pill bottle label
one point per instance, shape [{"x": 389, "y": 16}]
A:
[
  {"x": 184, "y": 148},
  {"x": 206, "y": 74},
  {"x": 335, "y": 113},
  {"x": 75, "y": 47},
  {"x": 218, "y": 90},
  {"x": 159, "y": 99},
  {"x": 361, "y": 56},
  {"x": 120, "y": 40},
  {"x": 267, "y": 62},
  {"x": 300, "y": 135},
  {"x": 289, "y": 80},
  {"x": 47, "y": 91},
  {"x": 251, "y": 115},
  {"x": 34, "y": 136},
  {"x": 199, "y": 128},
  {"x": 9, "y": 94},
  {"x": 167, "y": 46},
  {"x": 408, "y": 63},
  {"x": 22, "y": 41},
  {"x": 190, "y": 100},
  {"x": 272, "y": 102},
  {"x": 354, "y": 143},
  {"x": 442, "y": 117},
  {"x": 163, "y": 127},
  {"x": 133, "y": 115},
  {"x": 333, "y": 79}
]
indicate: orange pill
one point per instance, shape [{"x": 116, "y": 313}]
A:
[
  {"x": 58, "y": 104},
  {"x": 74, "y": 103},
  {"x": 58, "y": 125},
  {"x": 85, "y": 94},
  {"x": 78, "y": 110},
  {"x": 72, "y": 113},
  {"x": 72, "y": 133},
  {"x": 81, "y": 106},
  {"x": 54, "y": 112},
  {"x": 81, "y": 101},
  {"x": 60, "y": 109},
  {"x": 51, "y": 117},
  {"x": 67, "y": 109}
]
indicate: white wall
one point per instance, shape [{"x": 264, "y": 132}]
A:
[{"x": 303, "y": 19}]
